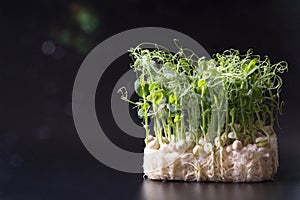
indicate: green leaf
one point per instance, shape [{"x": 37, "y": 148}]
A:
[
  {"x": 251, "y": 67},
  {"x": 154, "y": 86},
  {"x": 158, "y": 96},
  {"x": 245, "y": 64},
  {"x": 177, "y": 118},
  {"x": 256, "y": 92},
  {"x": 140, "y": 113},
  {"x": 201, "y": 83},
  {"x": 172, "y": 98},
  {"x": 141, "y": 91},
  {"x": 145, "y": 106}
]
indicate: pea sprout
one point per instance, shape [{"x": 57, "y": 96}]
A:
[{"x": 187, "y": 95}]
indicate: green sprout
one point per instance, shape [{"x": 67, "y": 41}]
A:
[{"x": 187, "y": 95}]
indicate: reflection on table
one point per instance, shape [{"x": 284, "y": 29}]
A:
[{"x": 152, "y": 190}]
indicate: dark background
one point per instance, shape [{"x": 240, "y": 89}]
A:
[{"x": 42, "y": 45}]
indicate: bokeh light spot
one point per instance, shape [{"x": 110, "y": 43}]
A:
[
  {"x": 48, "y": 47},
  {"x": 88, "y": 20}
]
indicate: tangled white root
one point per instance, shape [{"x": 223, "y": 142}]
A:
[{"x": 248, "y": 164}]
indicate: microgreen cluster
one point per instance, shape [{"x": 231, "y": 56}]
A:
[{"x": 188, "y": 96}]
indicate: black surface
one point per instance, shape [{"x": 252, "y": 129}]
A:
[{"x": 41, "y": 155}]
